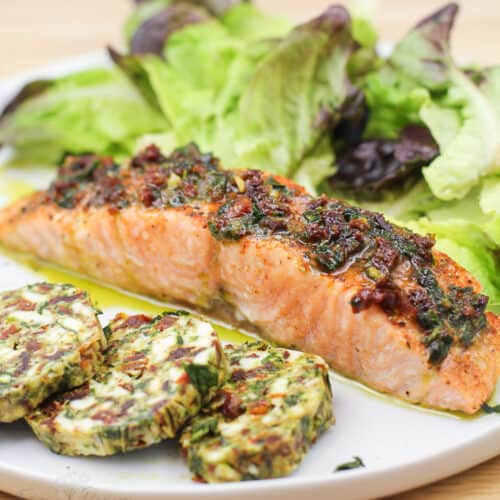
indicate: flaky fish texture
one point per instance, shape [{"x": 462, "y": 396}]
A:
[{"x": 377, "y": 301}]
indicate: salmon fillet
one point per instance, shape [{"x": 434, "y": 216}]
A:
[{"x": 377, "y": 301}]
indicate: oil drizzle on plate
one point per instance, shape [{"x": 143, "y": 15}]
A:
[
  {"x": 387, "y": 398},
  {"x": 11, "y": 189},
  {"x": 105, "y": 296}
]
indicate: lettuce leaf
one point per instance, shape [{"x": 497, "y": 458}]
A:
[
  {"x": 246, "y": 22},
  {"x": 468, "y": 133},
  {"x": 420, "y": 83},
  {"x": 317, "y": 166},
  {"x": 417, "y": 67},
  {"x": 147, "y": 9},
  {"x": 468, "y": 230},
  {"x": 211, "y": 69},
  {"x": 364, "y": 58},
  {"x": 405, "y": 205},
  {"x": 304, "y": 77},
  {"x": 229, "y": 82},
  {"x": 394, "y": 102},
  {"x": 94, "y": 110},
  {"x": 470, "y": 246},
  {"x": 373, "y": 166},
  {"x": 142, "y": 12}
]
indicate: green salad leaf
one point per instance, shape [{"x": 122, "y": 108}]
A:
[
  {"x": 418, "y": 65},
  {"x": 202, "y": 61},
  {"x": 304, "y": 78},
  {"x": 94, "y": 110},
  {"x": 394, "y": 102},
  {"x": 468, "y": 134},
  {"x": 364, "y": 58},
  {"x": 231, "y": 79},
  {"x": 247, "y": 22},
  {"x": 489, "y": 202}
]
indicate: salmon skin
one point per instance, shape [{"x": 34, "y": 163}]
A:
[{"x": 377, "y": 301}]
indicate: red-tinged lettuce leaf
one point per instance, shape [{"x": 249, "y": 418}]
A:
[
  {"x": 142, "y": 12},
  {"x": 419, "y": 65},
  {"x": 133, "y": 68},
  {"x": 375, "y": 164},
  {"x": 147, "y": 9},
  {"x": 295, "y": 95},
  {"x": 30, "y": 90},
  {"x": 424, "y": 53},
  {"x": 354, "y": 117},
  {"x": 152, "y": 35}
]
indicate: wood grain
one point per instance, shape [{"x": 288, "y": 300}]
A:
[{"x": 34, "y": 33}]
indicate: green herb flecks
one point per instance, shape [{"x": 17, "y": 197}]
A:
[
  {"x": 490, "y": 409},
  {"x": 356, "y": 463},
  {"x": 202, "y": 377},
  {"x": 203, "y": 428}
]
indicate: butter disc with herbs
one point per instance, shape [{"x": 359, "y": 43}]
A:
[
  {"x": 157, "y": 373},
  {"x": 50, "y": 340},
  {"x": 264, "y": 418}
]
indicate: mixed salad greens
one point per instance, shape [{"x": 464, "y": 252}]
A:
[{"x": 414, "y": 135}]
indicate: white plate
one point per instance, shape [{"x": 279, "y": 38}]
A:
[{"x": 402, "y": 446}]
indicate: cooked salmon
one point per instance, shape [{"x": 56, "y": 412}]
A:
[{"x": 377, "y": 301}]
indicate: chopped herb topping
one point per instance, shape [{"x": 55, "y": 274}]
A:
[
  {"x": 490, "y": 409},
  {"x": 355, "y": 463},
  {"x": 334, "y": 236},
  {"x": 178, "y": 313}
]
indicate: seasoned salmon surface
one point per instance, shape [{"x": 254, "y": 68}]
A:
[{"x": 377, "y": 301}]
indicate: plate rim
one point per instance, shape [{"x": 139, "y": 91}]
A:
[{"x": 478, "y": 450}]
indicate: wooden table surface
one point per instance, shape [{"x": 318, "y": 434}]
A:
[{"x": 37, "y": 32}]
